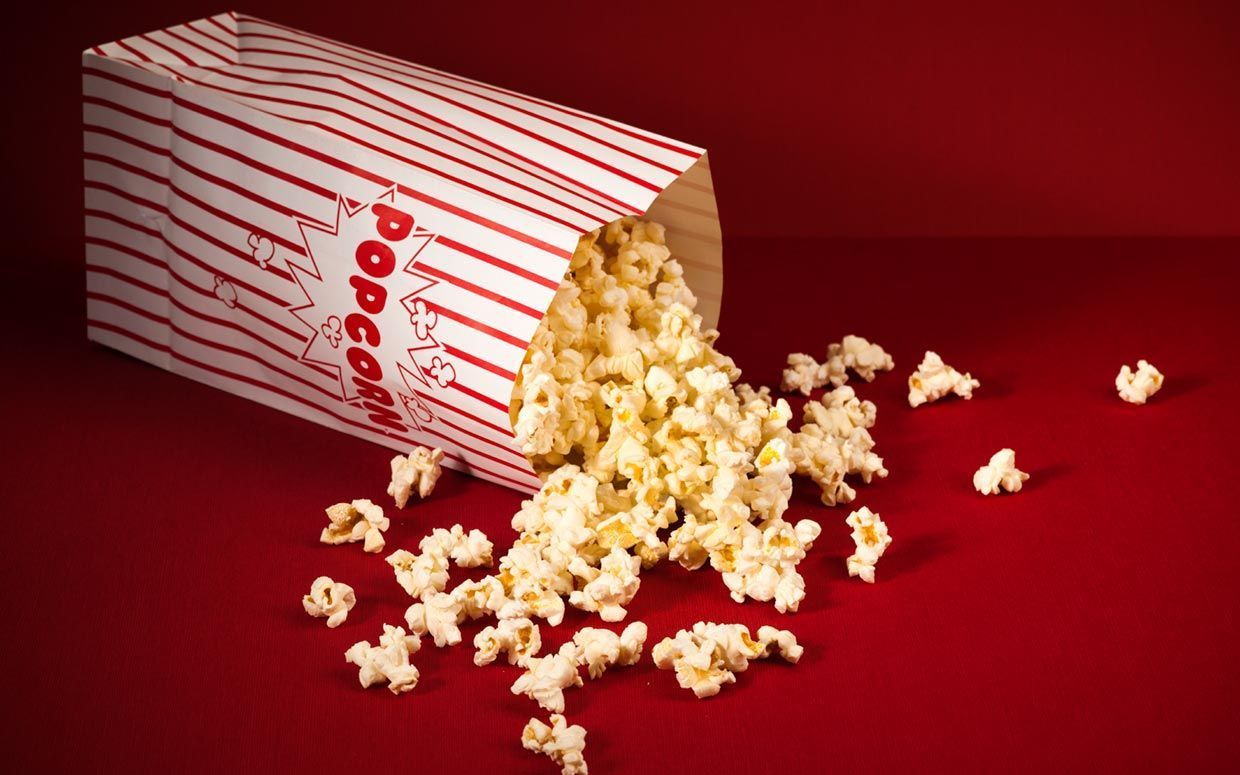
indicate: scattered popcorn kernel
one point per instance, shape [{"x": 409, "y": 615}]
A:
[
  {"x": 708, "y": 656},
  {"x": 935, "y": 379},
  {"x": 439, "y": 614},
  {"x": 600, "y": 649},
  {"x": 804, "y": 374},
  {"x": 858, "y": 354},
  {"x": 546, "y": 678},
  {"x": 419, "y": 574},
  {"x": 563, "y": 743},
  {"x": 1001, "y": 471},
  {"x": 870, "y": 535},
  {"x": 331, "y": 599},
  {"x": 356, "y": 521},
  {"x": 1136, "y": 387},
  {"x": 480, "y": 598},
  {"x": 416, "y": 472},
  {"x": 388, "y": 662},
  {"x": 774, "y": 639},
  {"x": 518, "y": 639}
]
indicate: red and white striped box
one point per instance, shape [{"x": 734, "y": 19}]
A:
[{"x": 356, "y": 240}]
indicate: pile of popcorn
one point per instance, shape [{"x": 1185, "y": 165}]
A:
[{"x": 648, "y": 450}]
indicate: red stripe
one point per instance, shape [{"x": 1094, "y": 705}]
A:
[
  {"x": 133, "y": 308},
  {"x": 231, "y": 34},
  {"x": 291, "y": 396},
  {"x": 169, "y": 49},
  {"x": 125, "y": 195},
  {"x": 403, "y": 139},
  {"x": 206, "y": 34},
  {"x": 90, "y": 323},
  {"x": 241, "y": 191},
  {"x": 126, "y": 249},
  {"x": 189, "y": 42},
  {"x": 475, "y": 360},
  {"x": 244, "y": 225},
  {"x": 449, "y": 76},
  {"x": 134, "y": 51},
  {"x": 463, "y": 413},
  {"x": 117, "y": 274},
  {"x": 479, "y": 397},
  {"x": 99, "y": 72},
  {"x": 481, "y": 113},
  {"x": 253, "y": 164},
  {"x": 110, "y": 216},
  {"x": 160, "y": 122},
  {"x": 626, "y": 208},
  {"x": 483, "y": 327},
  {"x": 229, "y": 72},
  {"x": 125, "y": 166},
  {"x": 408, "y": 84},
  {"x": 492, "y": 260},
  {"x": 109, "y": 132},
  {"x": 370, "y": 176},
  {"x": 478, "y": 290}
]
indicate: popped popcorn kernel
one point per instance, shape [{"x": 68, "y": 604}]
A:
[
  {"x": 517, "y": 639},
  {"x": 835, "y": 442},
  {"x": 329, "y": 599},
  {"x": 707, "y": 657},
  {"x": 419, "y": 574},
  {"x": 546, "y": 678},
  {"x": 1136, "y": 387},
  {"x": 935, "y": 379},
  {"x": 871, "y": 537},
  {"x": 388, "y": 662},
  {"x": 564, "y": 744},
  {"x": 804, "y": 374},
  {"x": 416, "y": 472},
  {"x": 599, "y": 649},
  {"x": 360, "y": 520},
  {"x": 1000, "y": 472},
  {"x": 438, "y": 615}
]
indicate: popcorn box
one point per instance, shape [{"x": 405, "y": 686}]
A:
[{"x": 357, "y": 240}]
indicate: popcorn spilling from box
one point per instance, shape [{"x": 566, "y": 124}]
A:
[{"x": 648, "y": 450}]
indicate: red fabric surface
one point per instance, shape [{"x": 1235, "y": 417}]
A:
[
  {"x": 889, "y": 118},
  {"x": 162, "y": 533}
]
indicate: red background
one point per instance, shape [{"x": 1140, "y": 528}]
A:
[{"x": 162, "y": 532}]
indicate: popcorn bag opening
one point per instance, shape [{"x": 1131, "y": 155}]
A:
[{"x": 356, "y": 240}]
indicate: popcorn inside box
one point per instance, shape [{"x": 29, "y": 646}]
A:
[{"x": 424, "y": 260}]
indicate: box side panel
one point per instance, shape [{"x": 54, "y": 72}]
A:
[
  {"x": 687, "y": 208},
  {"x": 126, "y": 124}
]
